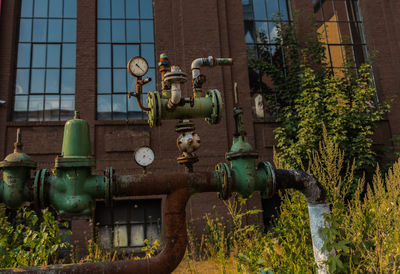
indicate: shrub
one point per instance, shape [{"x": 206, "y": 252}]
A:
[{"x": 29, "y": 240}]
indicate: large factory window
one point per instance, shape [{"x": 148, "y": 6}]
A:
[
  {"x": 260, "y": 21},
  {"x": 124, "y": 30},
  {"x": 128, "y": 223},
  {"x": 45, "y": 71},
  {"x": 341, "y": 31}
]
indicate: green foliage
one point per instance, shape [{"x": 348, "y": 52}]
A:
[
  {"x": 29, "y": 240},
  {"x": 307, "y": 95}
]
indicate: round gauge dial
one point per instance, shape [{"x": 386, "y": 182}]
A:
[
  {"x": 144, "y": 156},
  {"x": 138, "y": 66}
]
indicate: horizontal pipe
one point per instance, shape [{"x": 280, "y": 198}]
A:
[
  {"x": 159, "y": 183},
  {"x": 164, "y": 262},
  {"x": 201, "y": 108}
]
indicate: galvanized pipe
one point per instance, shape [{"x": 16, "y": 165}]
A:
[{"x": 318, "y": 206}]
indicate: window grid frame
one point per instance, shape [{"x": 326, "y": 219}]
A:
[
  {"x": 31, "y": 42},
  {"x": 129, "y": 224},
  {"x": 110, "y": 19}
]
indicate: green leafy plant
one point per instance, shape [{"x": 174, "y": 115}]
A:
[{"x": 29, "y": 240}]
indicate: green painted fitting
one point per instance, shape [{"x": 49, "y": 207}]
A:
[
  {"x": 76, "y": 140},
  {"x": 242, "y": 159},
  {"x": 14, "y": 192},
  {"x": 209, "y": 107},
  {"x": 16, "y": 172},
  {"x": 73, "y": 191}
]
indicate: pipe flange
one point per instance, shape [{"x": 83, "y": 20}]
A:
[
  {"x": 36, "y": 187},
  {"x": 109, "y": 194},
  {"x": 217, "y": 105},
  {"x": 270, "y": 185},
  {"x": 176, "y": 75},
  {"x": 42, "y": 184},
  {"x": 225, "y": 190},
  {"x": 154, "y": 114}
]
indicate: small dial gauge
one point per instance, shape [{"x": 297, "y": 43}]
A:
[
  {"x": 138, "y": 66},
  {"x": 144, "y": 156}
]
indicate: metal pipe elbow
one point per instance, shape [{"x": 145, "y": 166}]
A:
[{"x": 302, "y": 181}]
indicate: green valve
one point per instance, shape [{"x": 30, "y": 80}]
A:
[{"x": 76, "y": 140}]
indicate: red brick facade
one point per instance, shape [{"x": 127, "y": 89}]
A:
[{"x": 185, "y": 30}]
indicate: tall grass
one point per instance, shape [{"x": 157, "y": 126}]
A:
[{"x": 364, "y": 225}]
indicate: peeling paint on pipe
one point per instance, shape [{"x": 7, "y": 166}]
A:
[
  {"x": 317, "y": 206},
  {"x": 317, "y": 223}
]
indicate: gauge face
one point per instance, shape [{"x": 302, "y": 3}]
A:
[
  {"x": 144, "y": 156},
  {"x": 138, "y": 66}
]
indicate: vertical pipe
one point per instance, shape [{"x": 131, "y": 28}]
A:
[{"x": 317, "y": 223}]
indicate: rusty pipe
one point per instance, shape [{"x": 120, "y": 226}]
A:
[
  {"x": 157, "y": 184},
  {"x": 164, "y": 262}
]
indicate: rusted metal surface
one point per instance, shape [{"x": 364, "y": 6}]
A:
[
  {"x": 165, "y": 262},
  {"x": 156, "y": 184},
  {"x": 302, "y": 181}
]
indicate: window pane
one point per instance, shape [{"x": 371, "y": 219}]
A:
[
  {"x": 24, "y": 55},
  {"x": 131, "y": 51},
  {"x": 70, "y": 8},
  {"x": 69, "y": 33},
  {"x": 104, "y": 81},
  {"x": 105, "y": 236},
  {"x": 37, "y": 82},
  {"x": 40, "y": 9},
  {"x": 68, "y": 81},
  {"x": 262, "y": 32},
  {"x": 152, "y": 232},
  {"x": 39, "y": 56},
  {"x": 53, "y": 56},
  {"x": 26, "y": 8},
  {"x": 118, "y": 9},
  {"x": 137, "y": 235},
  {"x": 22, "y": 81},
  {"x": 259, "y": 10},
  {"x": 120, "y": 236},
  {"x": 20, "y": 108},
  {"x": 39, "y": 30},
  {"x": 55, "y": 8},
  {"x": 132, "y": 9},
  {"x": 103, "y": 56},
  {"x": 147, "y": 31},
  {"x": 25, "y": 27},
  {"x": 67, "y": 107},
  {"x": 132, "y": 31},
  {"x": 148, "y": 54},
  {"x": 119, "y": 58},
  {"x": 104, "y": 107},
  {"x": 283, "y": 9},
  {"x": 54, "y": 34},
  {"x": 134, "y": 112},
  {"x": 119, "y": 79},
  {"x": 146, "y": 8},
  {"x": 51, "y": 107},
  {"x": 103, "y": 31},
  {"x": 272, "y": 9},
  {"x": 35, "y": 108},
  {"x": 103, "y": 8},
  {"x": 52, "y": 80},
  {"x": 119, "y": 109},
  {"x": 118, "y": 31},
  {"x": 68, "y": 55},
  {"x": 152, "y": 85}
]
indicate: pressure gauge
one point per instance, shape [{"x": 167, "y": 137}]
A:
[
  {"x": 138, "y": 66},
  {"x": 144, "y": 156}
]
